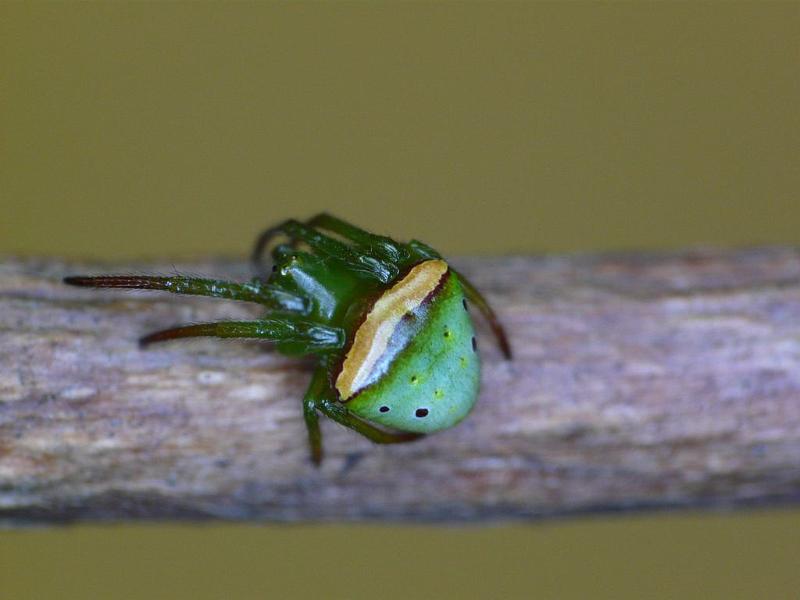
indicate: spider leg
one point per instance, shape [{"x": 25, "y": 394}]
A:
[
  {"x": 477, "y": 298},
  {"x": 318, "y": 398},
  {"x": 293, "y": 335},
  {"x": 253, "y": 291},
  {"x": 285, "y": 252},
  {"x": 262, "y": 241},
  {"x": 381, "y": 245},
  {"x": 337, "y": 412},
  {"x": 364, "y": 263},
  {"x": 423, "y": 251},
  {"x": 315, "y": 391}
]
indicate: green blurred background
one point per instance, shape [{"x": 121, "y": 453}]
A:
[{"x": 132, "y": 130}]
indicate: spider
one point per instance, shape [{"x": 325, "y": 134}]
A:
[{"x": 396, "y": 356}]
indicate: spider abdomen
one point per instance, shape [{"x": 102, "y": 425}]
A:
[{"x": 413, "y": 365}]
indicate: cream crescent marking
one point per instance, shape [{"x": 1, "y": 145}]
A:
[{"x": 372, "y": 337}]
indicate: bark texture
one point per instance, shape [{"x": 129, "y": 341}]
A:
[{"x": 639, "y": 381}]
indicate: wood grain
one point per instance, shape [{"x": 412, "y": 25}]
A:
[{"x": 639, "y": 381}]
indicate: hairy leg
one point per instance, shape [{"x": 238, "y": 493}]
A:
[
  {"x": 254, "y": 291},
  {"x": 293, "y": 335}
]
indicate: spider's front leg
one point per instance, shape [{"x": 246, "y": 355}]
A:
[
  {"x": 292, "y": 335},
  {"x": 262, "y": 293},
  {"x": 372, "y": 267},
  {"x": 384, "y": 247}
]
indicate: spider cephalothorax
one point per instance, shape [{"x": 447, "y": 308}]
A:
[{"x": 387, "y": 321}]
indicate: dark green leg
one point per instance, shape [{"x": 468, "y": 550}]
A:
[
  {"x": 336, "y": 411},
  {"x": 423, "y": 251},
  {"x": 293, "y": 336},
  {"x": 318, "y": 398},
  {"x": 299, "y": 232},
  {"x": 477, "y": 298},
  {"x": 315, "y": 391},
  {"x": 286, "y": 252},
  {"x": 364, "y": 263},
  {"x": 383, "y": 246},
  {"x": 314, "y": 434},
  {"x": 254, "y": 291}
]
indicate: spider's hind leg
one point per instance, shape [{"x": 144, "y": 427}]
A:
[
  {"x": 474, "y": 296},
  {"x": 339, "y": 413},
  {"x": 319, "y": 398}
]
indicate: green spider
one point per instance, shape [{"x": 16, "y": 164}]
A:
[{"x": 387, "y": 321}]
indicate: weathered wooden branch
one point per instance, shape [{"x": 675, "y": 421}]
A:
[{"x": 655, "y": 381}]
